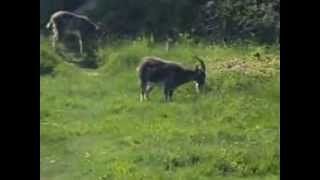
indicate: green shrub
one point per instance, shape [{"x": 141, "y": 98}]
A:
[{"x": 48, "y": 59}]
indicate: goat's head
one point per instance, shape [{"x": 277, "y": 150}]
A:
[{"x": 200, "y": 74}]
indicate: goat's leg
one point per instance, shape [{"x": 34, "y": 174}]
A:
[
  {"x": 80, "y": 42},
  {"x": 143, "y": 89},
  {"x": 167, "y": 94},
  {"x": 168, "y": 90},
  {"x": 55, "y": 36},
  {"x": 55, "y": 39},
  {"x": 148, "y": 90},
  {"x": 170, "y": 94},
  {"x": 53, "y": 42}
]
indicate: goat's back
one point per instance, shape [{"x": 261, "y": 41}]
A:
[
  {"x": 156, "y": 69},
  {"x": 67, "y": 15},
  {"x": 68, "y": 21},
  {"x": 156, "y": 62}
]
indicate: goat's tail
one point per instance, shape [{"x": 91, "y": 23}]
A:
[
  {"x": 49, "y": 24},
  {"x": 139, "y": 66}
]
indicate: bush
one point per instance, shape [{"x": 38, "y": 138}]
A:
[
  {"x": 48, "y": 60},
  {"x": 223, "y": 20},
  {"x": 231, "y": 19}
]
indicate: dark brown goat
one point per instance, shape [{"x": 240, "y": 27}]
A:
[
  {"x": 154, "y": 70},
  {"x": 64, "y": 23}
]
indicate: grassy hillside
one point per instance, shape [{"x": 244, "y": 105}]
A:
[{"x": 94, "y": 128}]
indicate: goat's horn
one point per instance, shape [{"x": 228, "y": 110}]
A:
[{"x": 203, "y": 66}]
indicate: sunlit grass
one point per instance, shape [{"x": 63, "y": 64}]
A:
[{"x": 94, "y": 127}]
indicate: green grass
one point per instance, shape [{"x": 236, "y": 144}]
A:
[{"x": 93, "y": 126}]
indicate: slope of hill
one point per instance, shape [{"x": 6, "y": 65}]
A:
[{"x": 93, "y": 126}]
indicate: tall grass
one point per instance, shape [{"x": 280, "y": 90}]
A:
[{"x": 94, "y": 127}]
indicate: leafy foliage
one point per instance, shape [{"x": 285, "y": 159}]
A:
[{"x": 227, "y": 20}]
